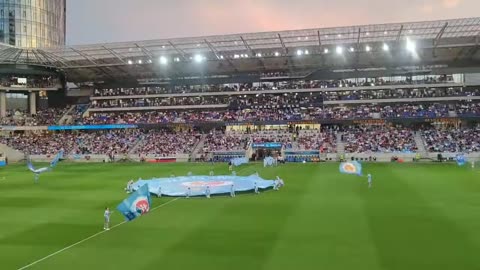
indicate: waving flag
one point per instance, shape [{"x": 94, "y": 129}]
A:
[
  {"x": 461, "y": 160},
  {"x": 137, "y": 204},
  {"x": 353, "y": 167},
  {"x": 56, "y": 159}
]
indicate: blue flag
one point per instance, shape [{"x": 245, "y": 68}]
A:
[
  {"x": 56, "y": 159},
  {"x": 353, "y": 167},
  {"x": 137, "y": 204},
  {"x": 461, "y": 160}
]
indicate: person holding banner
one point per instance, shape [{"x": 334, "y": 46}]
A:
[
  {"x": 106, "y": 215},
  {"x": 207, "y": 192},
  {"x": 232, "y": 191}
]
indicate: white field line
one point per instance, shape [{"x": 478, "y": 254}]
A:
[{"x": 86, "y": 239}]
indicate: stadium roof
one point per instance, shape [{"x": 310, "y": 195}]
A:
[{"x": 255, "y": 52}]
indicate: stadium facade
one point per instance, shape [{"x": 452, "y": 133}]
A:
[{"x": 410, "y": 74}]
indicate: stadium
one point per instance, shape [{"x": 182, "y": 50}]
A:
[{"x": 401, "y": 100}]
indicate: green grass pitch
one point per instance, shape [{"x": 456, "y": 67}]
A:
[{"x": 415, "y": 217}]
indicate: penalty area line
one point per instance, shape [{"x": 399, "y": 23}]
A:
[{"x": 88, "y": 238}]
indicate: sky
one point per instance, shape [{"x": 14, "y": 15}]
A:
[{"x": 99, "y": 21}]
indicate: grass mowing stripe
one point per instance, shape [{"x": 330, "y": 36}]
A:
[{"x": 86, "y": 239}]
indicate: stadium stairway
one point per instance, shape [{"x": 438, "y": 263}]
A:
[
  {"x": 197, "y": 147},
  {"x": 13, "y": 155},
  {"x": 66, "y": 117},
  {"x": 420, "y": 144},
  {"x": 340, "y": 144},
  {"x": 137, "y": 145}
]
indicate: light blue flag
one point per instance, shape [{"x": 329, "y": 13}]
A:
[
  {"x": 461, "y": 159},
  {"x": 353, "y": 167},
  {"x": 239, "y": 161},
  {"x": 56, "y": 159},
  {"x": 137, "y": 204},
  {"x": 35, "y": 170}
]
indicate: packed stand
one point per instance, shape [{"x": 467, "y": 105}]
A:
[
  {"x": 41, "y": 118},
  {"x": 218, "y": 141},
  {"x": 167, "y": 144},
  {"x": 464, "y": 140},
  {"x": 279, "y": 136},
  {"x": 41, "y": 144},
  {"x": 370, "y": 111},
  {"x": 324, "y": 141},
  {"x": 379, "y": 139},
  {"x": 115, "y": 142},
  {"x": 277, "y": 85}
]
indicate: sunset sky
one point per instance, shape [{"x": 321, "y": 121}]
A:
[{"x": 95, "y": 21}]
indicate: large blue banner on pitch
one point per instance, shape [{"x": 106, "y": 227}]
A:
[
  {"x": 353, "y": 167},
  {"x": 137, "y": 204},
  {"x": 197, "y": 185}
]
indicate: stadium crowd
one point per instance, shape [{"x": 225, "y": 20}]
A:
[
  {"x": 277, "y": 85},
  {"x": 371, "y": 111},
  {"x": 325, "y": 141},
  {"x": 375, "y": 139},
  {"x": 41, "y": 118},
  {"x": 464, "y": 140},
  {"x": 217, "y": 141},
  {"x": 167, "y": 144},
  {"x": 285, "y": 99}
]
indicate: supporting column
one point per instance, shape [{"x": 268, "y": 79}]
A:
[
  {"x": 32, "y": 99},
  {"x": 3, "y": 103}
]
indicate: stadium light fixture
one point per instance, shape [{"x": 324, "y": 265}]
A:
[
  {"x": 221, "y": 57},
  {"x": 325, "y": 51},
  {"x": 368, "y": 48},
  {"x": 198, "y": 58},
  {"x": 386, "y": 47},
  {"x": 163, "y": 60},
  {"x": 245, "y": 55},
  {"x": 299, "y": 52},
  {"x": 339, "y": 50},
  {"x": 259, "y": 55},
  {"x": 130, "y": 62},
  {"x": 149, "y": 61},
  {"x": 352, "y": 49},
  {"x": 277, "y": 54},
  {"x": 140, "y": 61},
  {"x": 411, "y": 46},
  {"x": 236, "y": 56},
  {"x": 307, "y": 52},
  {"x": 176, "y": 59}
]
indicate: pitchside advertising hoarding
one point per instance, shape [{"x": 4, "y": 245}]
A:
[{"x": 267, "y": 145}]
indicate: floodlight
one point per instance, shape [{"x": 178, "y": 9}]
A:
[
  {"x": 386, "y": 47},
  {"x": 198, "y": 58},
  {"x": 411, "y": 46},
  {"x": 277, "y": 54},
  {"x": 368, "y": 48},
  {"x": 163, "y": 60},
  {"x": 299, "y": 52},
  {"x": 339, "y": 50},
  {"x": 325, "y": 50}
]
